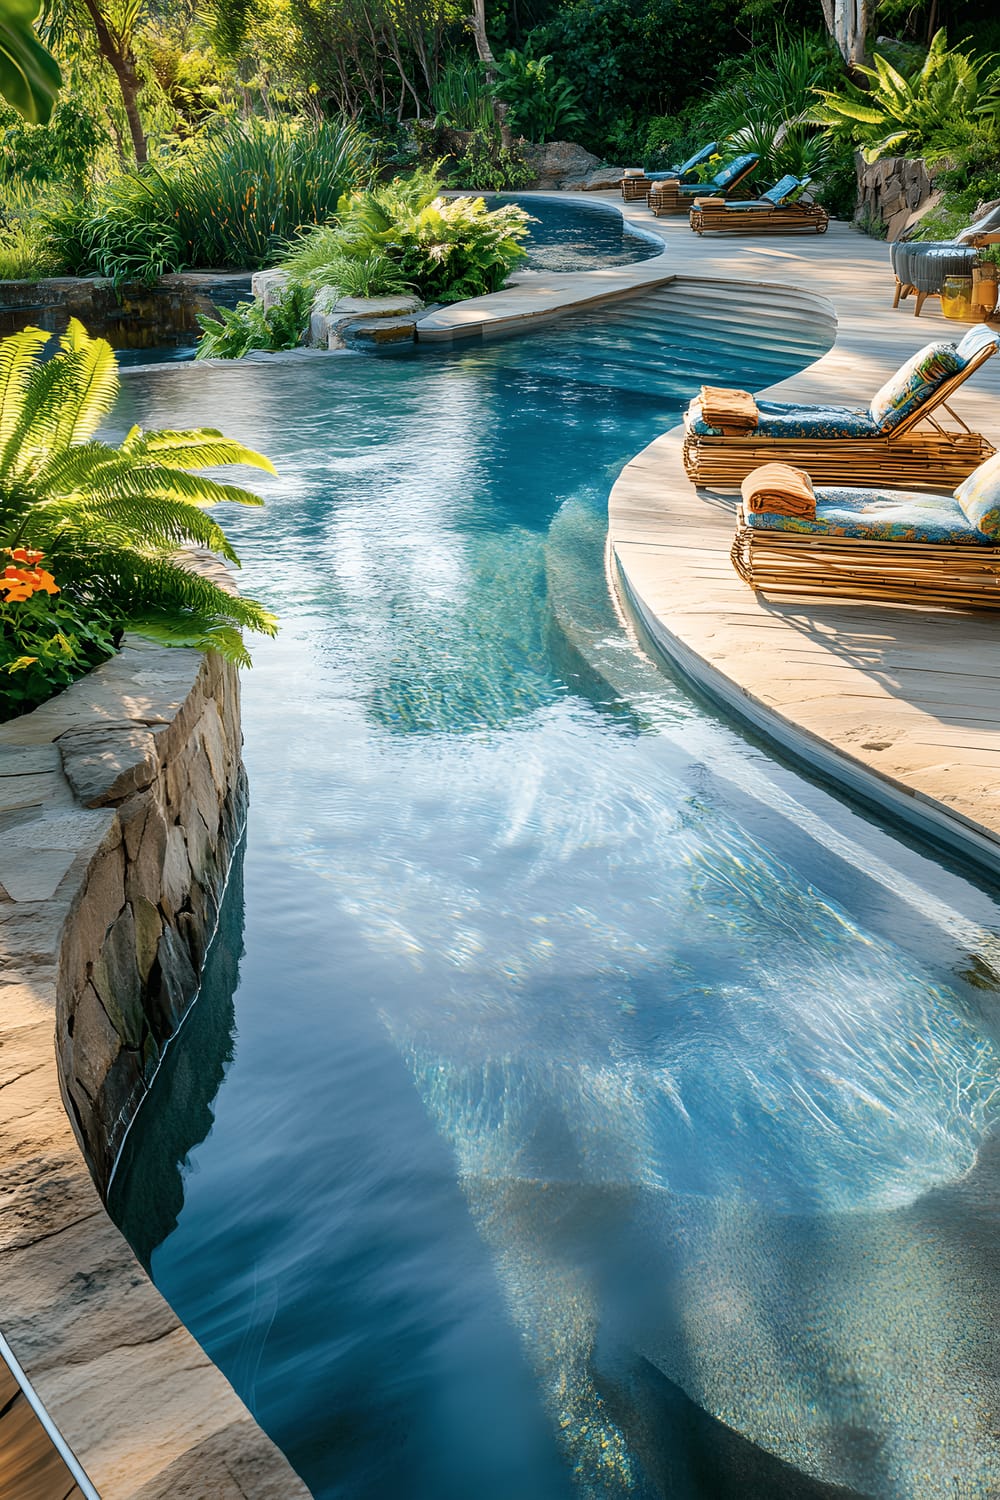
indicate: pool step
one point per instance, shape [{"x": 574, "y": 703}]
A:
[{"x": 664, "y": 342}]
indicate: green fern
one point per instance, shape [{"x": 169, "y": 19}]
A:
[{"x": 112, "y": 521}]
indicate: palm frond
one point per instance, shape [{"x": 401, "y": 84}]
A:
[{"x": 148, "y": 520}]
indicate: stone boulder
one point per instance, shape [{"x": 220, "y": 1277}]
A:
[{"x": 563, "y": 164}]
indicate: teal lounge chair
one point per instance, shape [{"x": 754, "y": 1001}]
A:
[
  {"x": 638, "y": 185},
  {"x": 672, "y": 197},
  {"x": 779, "y": 210},
  {"x": 901, "y": 436}
]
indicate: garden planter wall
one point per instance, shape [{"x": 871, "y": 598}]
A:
[{"x": 129, "y": 317}]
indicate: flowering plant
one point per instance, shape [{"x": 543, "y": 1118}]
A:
[{"x": 45, "y": 642}]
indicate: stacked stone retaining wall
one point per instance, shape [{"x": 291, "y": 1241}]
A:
[{"x": 121, "y": 801}]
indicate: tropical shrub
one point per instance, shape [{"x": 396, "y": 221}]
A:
[
  {"x": 61, "y": 151},
  {"x": 442, "y": 250},
  {"x": 249, "y": 326},
  {"x": 232, "y": 199},
  {"x": 486, "y": 165},
  {"x": 952, "y": 102},
  {"x": 762, "y": 102},
  {"x": 965, "y": 188},
  {"x": 632, "y": 58},
  {"x": 109, "y": 521},
  {"x": 541, "y": 105}
]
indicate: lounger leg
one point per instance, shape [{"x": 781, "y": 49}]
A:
[
  {"x": 921, "y": 299},
  {"x": 899, "y": 293}
]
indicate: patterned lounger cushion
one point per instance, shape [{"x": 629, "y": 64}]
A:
[
  {"x": 979, "y": 498},
  {"x": 880, "y": 516},
  {"x": 913, "y": 383},
  {"x": 781, "y": 420}
]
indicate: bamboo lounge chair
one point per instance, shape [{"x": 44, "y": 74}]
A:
[
  {"x": 673, "y": 197},
  {"x": 881, "y": 544},
  {"x": 898, "y": 437},
  {"x": 774, "y": 212},
  {"x": 636, "y": 185}
]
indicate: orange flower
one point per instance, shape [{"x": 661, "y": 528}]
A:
[{"x": 20, "y": 583}]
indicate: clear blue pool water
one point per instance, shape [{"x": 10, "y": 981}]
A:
[
  {"x": 578, "y": 235},
  {"x": 580, "y": 1103}
]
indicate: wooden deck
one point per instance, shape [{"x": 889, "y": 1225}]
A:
[{"x": 901, "y": 704}]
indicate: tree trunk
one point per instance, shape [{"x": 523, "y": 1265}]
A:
[
  {"x": 477, "y": 25},
  {"x": 847, "y": 23},
  {"x": 119, "y": 56}
]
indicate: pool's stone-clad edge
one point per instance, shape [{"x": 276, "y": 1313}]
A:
[{"x": 120, "y": 804}]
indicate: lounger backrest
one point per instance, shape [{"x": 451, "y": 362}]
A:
[
  {"x": 783, "y": 189},
  {"x": 730, "y": 175},
  {"x": 913, "y": 385},
  {"x": 977, "y": 342},
  {"x": 697, "y": 159},
  {"x": 984, "y": 231}
]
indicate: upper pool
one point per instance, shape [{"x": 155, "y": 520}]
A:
[
  {"x": 580, "y": 1102},
  {"x": 578, "y": 235}
]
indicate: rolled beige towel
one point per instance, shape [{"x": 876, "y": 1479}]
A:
[
  {"x": 780, "y": 490},
  {"x": 734, "y": 411}
]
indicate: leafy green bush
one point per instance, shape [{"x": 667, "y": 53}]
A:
[
  {"x": 443, "y": 250},
  {"x": 61, "y": 151},
  {"x": 629, "y": 59},
  {"x": 965, "y": 188},
  {"x": 231, "y": 200},
  {"x": 110, "y": 520},
  {"x": 542, "y": 106},
  {"x": 487, "y": 165},
  {"x": 249, "y": 326},
  {"x": 952, "y": 102}
]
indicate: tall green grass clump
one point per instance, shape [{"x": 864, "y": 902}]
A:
[{"x": 232, "y": 200}]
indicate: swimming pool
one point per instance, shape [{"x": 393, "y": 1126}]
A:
[{"x": 580, "y": 1103}]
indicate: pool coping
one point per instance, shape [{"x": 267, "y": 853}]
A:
[{"x": 897, "y": 704}]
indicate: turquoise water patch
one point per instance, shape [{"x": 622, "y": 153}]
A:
[{"x": 584, "y": 1104}]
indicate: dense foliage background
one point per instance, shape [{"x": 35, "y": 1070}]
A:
[{"x": 190, "y": 136}]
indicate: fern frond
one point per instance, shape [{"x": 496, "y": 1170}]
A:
[
  {"x": 148, "y": 520},
  {"x": 18, "y": 356},
  {"x": 199, "y": 448},
  {"x": 95, "y": 384}
]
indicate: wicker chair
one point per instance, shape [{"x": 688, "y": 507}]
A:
[
  {"x": 882, "y": 544},
  {"x": 899, "y": 437},
  {"x": 771, "y": 213},
  {"x": 920, "y": 266}
]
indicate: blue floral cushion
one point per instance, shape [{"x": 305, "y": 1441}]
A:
[
  {"x": 778, "y": 419},
  {"x": 979, "y": 497},
  {"x": 879, "y": 515},
  {"x": 912, "y": 383}
]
